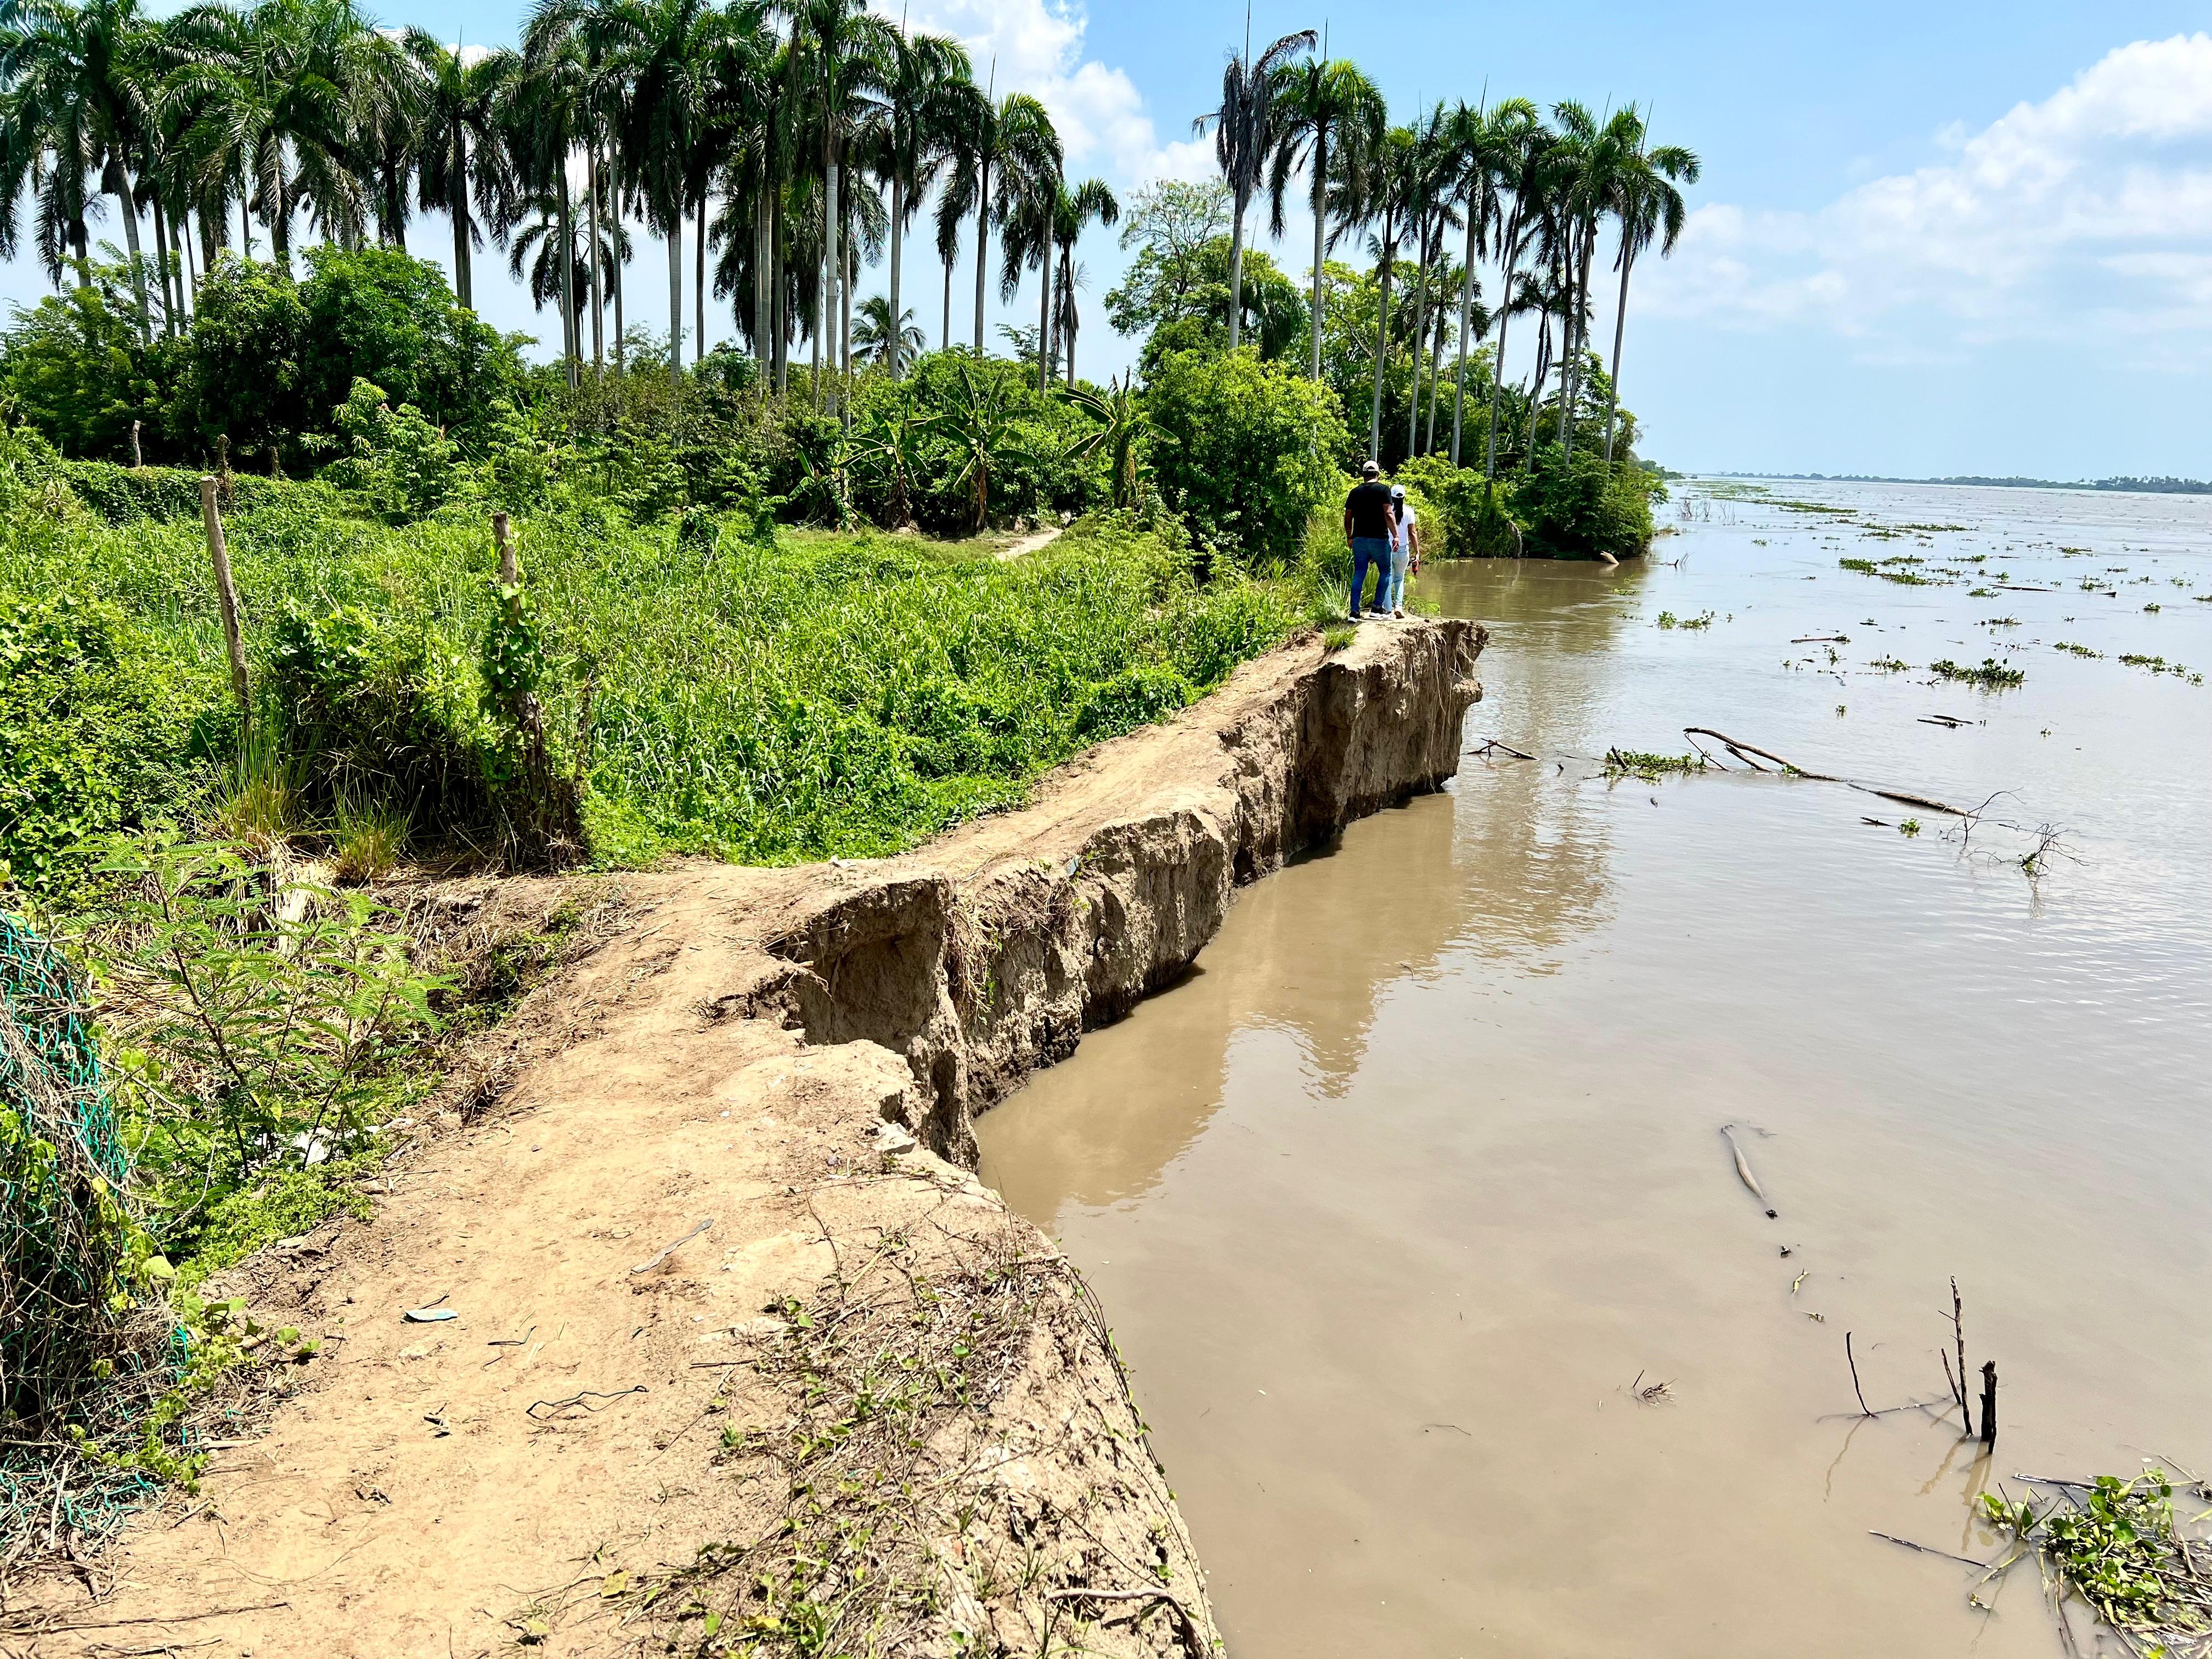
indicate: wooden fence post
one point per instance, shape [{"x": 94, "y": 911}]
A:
[{"x": 226, "y": 595}]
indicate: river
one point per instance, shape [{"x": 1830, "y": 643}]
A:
[{"x": 1406, "y": 1195}]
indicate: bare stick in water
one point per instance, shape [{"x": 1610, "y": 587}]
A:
[
  {"x": 1851, "y": 1360},
  {"x": 1989, "y": 1405},
  {"x": 1743, "y": 1173},
  {"x": 1959, "y": 1334}
]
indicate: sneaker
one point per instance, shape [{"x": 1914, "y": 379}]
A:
[{"x": 1397, "y": 616}]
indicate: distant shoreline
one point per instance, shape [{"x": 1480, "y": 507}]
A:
[{"x": 2132, "y": 486}]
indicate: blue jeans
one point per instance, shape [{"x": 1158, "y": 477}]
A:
[
  {"x": 1399, "y": 558},
  {"x": 1374, "y": 551}
]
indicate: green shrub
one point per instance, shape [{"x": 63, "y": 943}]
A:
[
  {"x": 1579, "y": 509},
  {"x": 1247, "y": 450},
  {"x": 397, "y": 461},
  {"x": 100, "y": 729},
  {"x": 76, "y": 369}
]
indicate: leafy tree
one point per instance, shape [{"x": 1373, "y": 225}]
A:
[
  {"x": 78, "y": 369},
  {"x": 1259, "y": 448},
  {"x": 243, "y": 379},
  {"x": 377, "y": 314},
  {"x": 876, "y": 341}
]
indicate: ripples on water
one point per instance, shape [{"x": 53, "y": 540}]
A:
[{"x": 1395, "y": 1197}]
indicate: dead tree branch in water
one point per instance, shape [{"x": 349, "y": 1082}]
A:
[
  {"x": 1851, "y": 1360},
  {"x": 1485, "y": 748}
]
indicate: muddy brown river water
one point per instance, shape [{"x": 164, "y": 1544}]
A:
[{"x": 1395, "y": 1198}]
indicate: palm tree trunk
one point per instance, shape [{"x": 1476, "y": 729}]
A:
[
  {"x": 191, "y": 276},
  {"x": 945, "y": 334},
  {"x": 618, "y": 269},
  {"x": 1236, "y": 266},
  {"x": 130, "y": 244},
  {"x": 162, "y": 264},
  {"x": 764, "y": 307},
  {"x": 1504, "y": 317},
  {"x": 1382, "y": 348},
  {"x": 567, "y": 277},
  {"x": 699, "y": 286},
  {"x": 458, "y": 205},
  {"x": 780, "y": 286},
  {"x": 1044, "y": 319},
  {"x": 1620, "y": 326},
  {"x": 280, "y": 217},
  {"x": 833, "y": 267},
  {"x": 982, "y": 245},
  {"x": 1436, "y": 380},
  {"x": 1420, "y": 336},
  {"x": 1466, "y": 323},
  {"x": 1578, "y": 343},
  {"x": 898, "y": 245},
  {"x": 675, "y": 238},
  {"x": 599, "y": 298},
  {"x": 1321, "y": 223},
  {"x": 1536, "y": 384}
]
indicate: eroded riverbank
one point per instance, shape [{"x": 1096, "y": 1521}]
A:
[
  {"x": 1397, "y": 1195},
  {"x": 708, "y": 1290}
]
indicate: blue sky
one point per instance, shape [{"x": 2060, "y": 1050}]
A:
[{"x": 1931, "y": 239}]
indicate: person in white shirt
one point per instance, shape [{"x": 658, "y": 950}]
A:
[{"x": 1405, "y": 548}]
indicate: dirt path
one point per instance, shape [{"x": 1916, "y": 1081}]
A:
[
  {"x": 1031, "y": 544},
  {"x": 715, "y": 1287}
]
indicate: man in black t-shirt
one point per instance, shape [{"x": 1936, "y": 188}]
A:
[{"x": 1370, "y": 522}]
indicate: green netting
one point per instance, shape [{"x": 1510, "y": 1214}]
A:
[
  {"x": 61, "y": 1167},
  {"x": 67, "y": 1335}
]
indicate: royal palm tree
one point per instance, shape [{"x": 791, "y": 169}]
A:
[
  {"x": 459, "y": 159},
  {"x": 1381, "y": 192},
  {"x": 1646, "y": 204},
  {"x": 999, "y": 150},
  {"x": 1244, "y": 137},
  {"x": 1430, "y": 214},
  {"x": 847, "y": 58},
  {"x": 78, "y": 112},
  {"x": 279, "y": 95},
  {"x": 1519, "y": 147},
  {"x": 874, "y": 339},
  {"x": 919, "y": 116},
  {"x": 1074, "y": 212},
  {"x": 1328, "y": 117},
  {"x": 545, "y": 111}
]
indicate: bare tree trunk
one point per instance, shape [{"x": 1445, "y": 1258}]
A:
[
  {"x": 898, "y": 243},
  {"x": 1620, "y": 326},
  {"x": 1321, "y": 222}
]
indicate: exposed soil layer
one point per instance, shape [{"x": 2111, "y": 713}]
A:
[{"x": 865, "y": 1382}]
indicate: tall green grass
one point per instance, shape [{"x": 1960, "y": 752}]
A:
[{"x": 828, "y": 693}]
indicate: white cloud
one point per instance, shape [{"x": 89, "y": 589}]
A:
[
  {"x": 1036, "y": 46},
  {"x": 2093, "y": 207}
]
